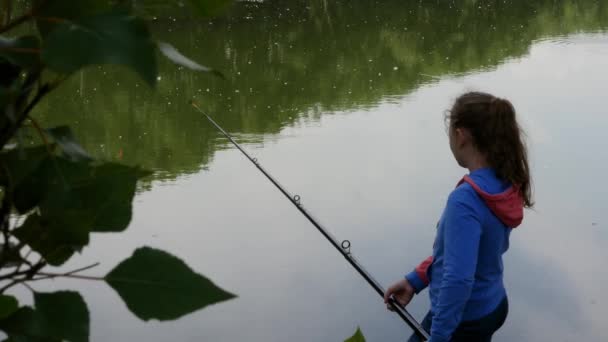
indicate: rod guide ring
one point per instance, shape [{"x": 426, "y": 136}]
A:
[{"x": 346, "y": 245}]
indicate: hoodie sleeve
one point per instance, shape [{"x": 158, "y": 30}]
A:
[
  {"x": 462, "y": 232},
  {"x": 418, "y": 278}
]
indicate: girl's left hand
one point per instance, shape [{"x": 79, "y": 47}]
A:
[{"x": 402, "y": 291}]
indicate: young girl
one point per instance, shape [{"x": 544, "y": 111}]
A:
[{"x": 465, "y": 273}]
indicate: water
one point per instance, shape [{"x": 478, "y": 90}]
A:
[{"x": 343, "y": 102}]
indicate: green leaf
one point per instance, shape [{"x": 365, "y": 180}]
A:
[
  {"x": 25, "y": 322},
  {"x": 357, "y": 337},
  {"x": 65, "y": 315},
  {"x": 8, "y": 85},
  {"x": 19, "y": 164},
  {"x": 64, "y": 137},
  {"x": 56, "y": 239},
  {"x": 156, "y": 285},
  {"x": 75, "y": 198},
  {"x": 100, "y": 197},
  {"x": 111, "y": 196},
  {"x": 59, "y": 316},
  {"x": 8, "y": 305},
  {"x": 51, "y": 12},
  {"x": 23, "y": 51},
  {"x": 36, "y": 177},
  {"x": 210, "y": 7},
  {"x": 176, "y": 57},
  {"x": 20, "y": 174},
  {"x": 116, "y": 37},
  {"x": 4, "y": 98},
  {"x": 9, "y": 257}
]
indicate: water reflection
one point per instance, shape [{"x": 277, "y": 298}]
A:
[
  {"x": 288, "y": 62},
  {"x": 369, "y": 158}
]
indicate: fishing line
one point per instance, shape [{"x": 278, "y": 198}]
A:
[{"x": 344, "y": 247}]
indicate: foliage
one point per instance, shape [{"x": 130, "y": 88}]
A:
[
  {"x": 357, "y": 337},
  {"x": 53, "y": 193},
  {"x": 177, "y": 289}
]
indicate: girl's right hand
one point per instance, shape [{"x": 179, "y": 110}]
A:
[{"x": 401, "y": 291}]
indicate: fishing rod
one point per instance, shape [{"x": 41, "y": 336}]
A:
[{"x": 342, "y": 247}]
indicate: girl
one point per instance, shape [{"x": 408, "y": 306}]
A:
[{"x": 465, "y": 273}]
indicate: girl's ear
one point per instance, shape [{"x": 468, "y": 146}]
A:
[{"x": 460, "y": 137}]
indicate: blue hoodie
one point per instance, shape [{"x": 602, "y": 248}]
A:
[{"x": 465, "y": 273}]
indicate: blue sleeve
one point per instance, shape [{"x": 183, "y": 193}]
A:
[
  {"x": 414, "y": 279},
  {"x": 462, "y": 232}
]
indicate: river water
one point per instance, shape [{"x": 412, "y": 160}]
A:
[{"x": 343, "y": 102}]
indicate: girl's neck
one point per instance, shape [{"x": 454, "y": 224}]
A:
[{"x": 476, "y": 162}]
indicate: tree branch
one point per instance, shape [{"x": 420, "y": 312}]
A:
[
  {"x": 8, "y": 8},
  {"x": 12, "y": 129},
  {"x": 9, "y": 25},
  {"x": 28, "y": 275},
  {"x": 70, "y": 274},
  {"x": 28, "y": 287},
  {"x": 30, "y": 272},
  {"x": 24, "y": 260},
  {"x": 5, "y": 212},
  {"x": 40, "y": 132},
  {"x": 11, "y": 284},
  {"x": 48, "y": 275},
  {"x": 78, "y": 270}
]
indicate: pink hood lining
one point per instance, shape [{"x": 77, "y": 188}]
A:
[{"x": 508, "y": 205}]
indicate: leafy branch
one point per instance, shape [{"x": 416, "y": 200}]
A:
[
  {"x": 9, "y": 131},
  {"x": 70, "y": 274},
  {"x": 54, "y": 195},
  {"x": 24, "y": 276}
]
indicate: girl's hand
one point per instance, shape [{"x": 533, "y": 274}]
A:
[{"x": 401, "y": 291}]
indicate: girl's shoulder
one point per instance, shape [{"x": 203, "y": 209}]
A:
[{"x": 464, "y": 195}]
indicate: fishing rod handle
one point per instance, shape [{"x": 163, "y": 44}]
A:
[
  {"x": 397, "y": 308},
  {"x": 401, "y": 312}
]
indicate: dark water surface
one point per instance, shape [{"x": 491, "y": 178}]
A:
[{"x": 343, "y": 101}]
